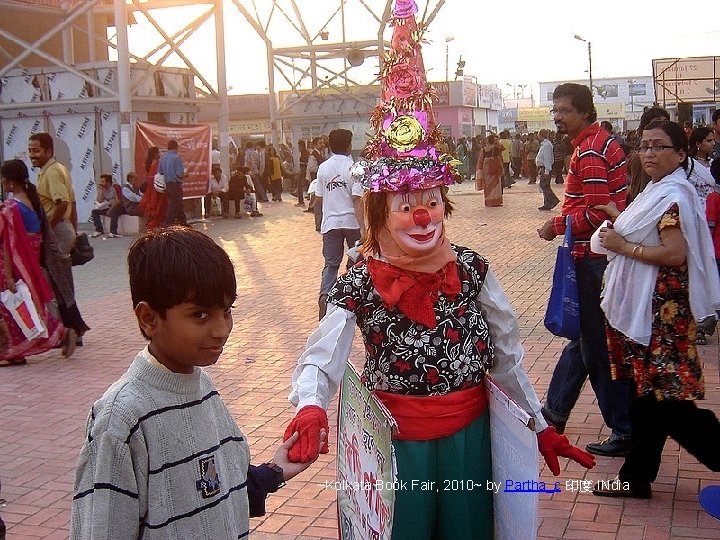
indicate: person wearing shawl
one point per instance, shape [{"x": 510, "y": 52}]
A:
[
  {"x": 661, "y": 279},
  {"x": 433, "y": 317},
  {"x": 21, "y": 224}
]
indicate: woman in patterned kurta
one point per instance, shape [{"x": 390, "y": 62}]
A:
[{"x": 661, "y": 279}]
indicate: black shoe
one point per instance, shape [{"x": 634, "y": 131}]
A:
[
  {"x": 78, "y": 341},
  {"x": 544, "y": 208},
  {"x": 559, "y": 425},
  {"x": 610, "y": 447},
  {"x": 618, "y": 488},
  {"x": 532, "y": 182}
]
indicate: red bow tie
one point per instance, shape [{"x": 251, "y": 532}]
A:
[{"x": 414, "y": 293}]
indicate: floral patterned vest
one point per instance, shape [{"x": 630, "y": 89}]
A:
[{"x": 408, "y": 358}]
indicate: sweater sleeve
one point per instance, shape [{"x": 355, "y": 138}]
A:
[
  {"x": 261, "y": 480},
  {"x": 105, "y": 501}
]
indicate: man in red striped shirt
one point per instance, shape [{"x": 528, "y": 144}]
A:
[{"x": 597, "y": 175}]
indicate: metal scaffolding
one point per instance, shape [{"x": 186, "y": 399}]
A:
[{"x": 73, "y": 36}]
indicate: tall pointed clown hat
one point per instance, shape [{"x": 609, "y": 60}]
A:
[{"x": 402, "y": 156}]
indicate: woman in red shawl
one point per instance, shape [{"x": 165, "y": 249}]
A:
[
  {"x": 153, "y": 204},
  {"x": 21, "y": 218}
]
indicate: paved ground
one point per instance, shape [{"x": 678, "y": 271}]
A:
[{"x": 43, "y": 405}]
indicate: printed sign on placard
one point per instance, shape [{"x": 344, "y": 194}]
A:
[{"x": 366, "y": 471}]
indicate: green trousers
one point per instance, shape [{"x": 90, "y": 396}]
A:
[{"x": 443, "y": 486}]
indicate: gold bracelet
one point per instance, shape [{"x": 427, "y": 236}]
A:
[
  {"x": 637, "y": 246},
  {"x": 642, "y": 253}
]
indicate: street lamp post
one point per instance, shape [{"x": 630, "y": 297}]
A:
[
  {"x": 447, "y": 56},
  {"x": 589, "y": 59},
  {"x": 631, "y": 82}
]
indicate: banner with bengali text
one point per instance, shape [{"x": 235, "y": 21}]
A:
[
  {"x": 366, "y": 470},
  {"x": 194, "y": 146}
]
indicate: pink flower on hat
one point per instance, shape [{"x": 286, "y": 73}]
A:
[{"x": 403, "y": 81}]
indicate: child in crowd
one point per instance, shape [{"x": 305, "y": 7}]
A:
[{"x": 163, "y": 457}]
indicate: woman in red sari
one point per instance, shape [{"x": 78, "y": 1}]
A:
[
  {"x": 488, "y": 175},
  {"x": 153, "y": 203},
  {"x": 21, "y": 239}
]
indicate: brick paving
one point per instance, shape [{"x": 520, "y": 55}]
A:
[{"x": 43, "y": 405}]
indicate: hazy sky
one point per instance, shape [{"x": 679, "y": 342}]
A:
[{"x": 516, "y": 42}]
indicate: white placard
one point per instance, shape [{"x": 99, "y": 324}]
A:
[{"x": 515, "y": 468}]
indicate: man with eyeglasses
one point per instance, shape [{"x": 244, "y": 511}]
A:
[{"x": 597, "y": 175}]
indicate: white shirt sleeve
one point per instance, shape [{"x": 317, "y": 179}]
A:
[
  {"x": 321, "y": 367},
  {"x": 507, "y": 368}
]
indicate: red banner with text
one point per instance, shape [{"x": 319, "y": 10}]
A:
[{"x": 194, "y": 142}]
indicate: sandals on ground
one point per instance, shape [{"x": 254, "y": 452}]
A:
[
  {"x": 701, "y": 339},
  {"x": 68, "y": 343}
]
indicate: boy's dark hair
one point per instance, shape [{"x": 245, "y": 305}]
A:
[
  {"x": 716, "y": 115},
  {"x": 580, "y": 97},
  {"x": 172, "y": 144},
  {"x": 173, "y": 265},
  {"x": 107, "y": 177},
  {"x": 340, "y": 140},
  {"x": 45, "y": 140}
]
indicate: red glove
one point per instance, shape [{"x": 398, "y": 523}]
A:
[
  {"x": 308, "y": 422},
  {"x": 552, "y": 445}
]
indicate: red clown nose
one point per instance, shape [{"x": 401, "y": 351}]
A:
[{"x": 421, "y": 217}]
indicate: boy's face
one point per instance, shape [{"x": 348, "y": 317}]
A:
[{"x": 188, "y": 336}]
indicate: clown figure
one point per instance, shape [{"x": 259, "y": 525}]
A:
[
  {"x": 434, "y": 321},
  {"x": 433, "y": 318}
]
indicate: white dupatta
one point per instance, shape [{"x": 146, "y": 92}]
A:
[{"x": 629, "y": 283}]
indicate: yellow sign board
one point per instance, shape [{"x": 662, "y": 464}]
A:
[
  {"x": 610, "y": 110},
  {"x": 534, "y": 114}
]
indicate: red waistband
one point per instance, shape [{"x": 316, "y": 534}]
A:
[{"x": 424, "y": 418}]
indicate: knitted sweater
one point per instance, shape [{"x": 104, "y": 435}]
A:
[{"x": 164, "y": 459}]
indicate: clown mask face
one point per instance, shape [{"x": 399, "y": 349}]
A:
[{"x": 415, "y": 220}]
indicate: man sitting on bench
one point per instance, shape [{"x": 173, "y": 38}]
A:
[{"x": 130, "y": 203}]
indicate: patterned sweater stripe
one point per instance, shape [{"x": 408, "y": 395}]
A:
[
  {"x": 195, "y": 456},
  {"x": 171, "y": 408},
  {"x": 197, "y": 510}
]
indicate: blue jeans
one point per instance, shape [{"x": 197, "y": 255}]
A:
[
  {"x": 587, "y": 357},
  {"x": 97, "y": 218},
  {"x": 333, "y": 252},
  {"x": 175, "y": 214}
]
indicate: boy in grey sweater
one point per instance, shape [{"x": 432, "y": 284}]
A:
[{"x": 163, "y": 457}]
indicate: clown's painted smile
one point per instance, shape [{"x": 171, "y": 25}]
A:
[{"x": 415, "y": 219}]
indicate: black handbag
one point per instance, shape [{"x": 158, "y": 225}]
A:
[{"x": 82, "y": 252}]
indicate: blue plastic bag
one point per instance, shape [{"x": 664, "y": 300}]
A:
[{"x": 562, "y": 317}]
